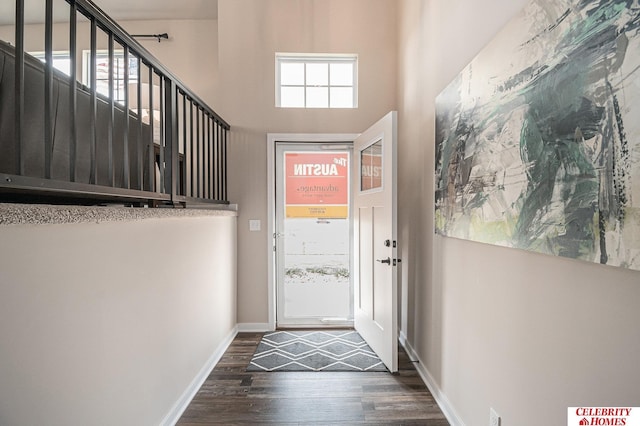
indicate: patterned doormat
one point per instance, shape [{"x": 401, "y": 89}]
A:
[{"x": 331, "y": 350}]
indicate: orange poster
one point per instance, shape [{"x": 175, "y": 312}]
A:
[{"x": 317, "y": 184}]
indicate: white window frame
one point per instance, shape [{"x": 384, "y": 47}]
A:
[
  {"x": 118, "y": 79},
  {"x": 306, "y": 58}
]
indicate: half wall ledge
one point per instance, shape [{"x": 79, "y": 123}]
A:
[{"x": 41, "y": 214}]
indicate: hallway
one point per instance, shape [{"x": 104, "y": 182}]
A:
[{"x": 232, "y": 396}]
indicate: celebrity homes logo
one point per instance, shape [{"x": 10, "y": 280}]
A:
[{"x": 603, "y": 416}]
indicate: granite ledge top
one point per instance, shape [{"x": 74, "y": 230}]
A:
[{"x": 40, "y": 214}]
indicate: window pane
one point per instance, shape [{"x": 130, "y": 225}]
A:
[
  {"x": 317, "y": 97},
  {"x": 292, "y": 74},
  {"x": 317, "y": 74},
  {"x": 341, "y": 74},
  {"x": 371, "y": 167},
  {"x": 292, "y": 97},
  {"x": 341, "y": 97}
]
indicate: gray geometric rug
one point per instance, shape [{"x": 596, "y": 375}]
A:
[{"x": 331, "y": 350}]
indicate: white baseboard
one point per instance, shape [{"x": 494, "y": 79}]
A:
[
  {"x": 254, "y": 327},
  {"x": 181, "y": 404},
  {"x": 441, "y": 399}
]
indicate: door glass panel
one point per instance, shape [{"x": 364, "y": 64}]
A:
[
  {"x": 371, "y": 170},
  {"x": 314, "y": 277}
]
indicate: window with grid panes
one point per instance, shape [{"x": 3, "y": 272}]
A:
[{"x": 316, "y": 81}]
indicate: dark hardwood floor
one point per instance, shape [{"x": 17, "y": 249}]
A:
[{"x": 232, "y": 396}]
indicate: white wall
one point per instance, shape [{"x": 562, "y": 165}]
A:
[
  {"x": 109, "y": 323},
  {"x": 524, "y": 333},
  {"x": 250, "y": 33}
]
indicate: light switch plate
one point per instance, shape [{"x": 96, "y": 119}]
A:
[{"x": 254, "y": 224}]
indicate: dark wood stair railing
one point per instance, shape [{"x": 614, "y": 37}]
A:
[{"x": 63, "y": 141}]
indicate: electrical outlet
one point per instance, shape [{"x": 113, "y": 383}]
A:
[{"x": 494, "y": 418}]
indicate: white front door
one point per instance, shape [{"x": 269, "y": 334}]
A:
[
  {"x": 375, "y": 242},
  {"x": 312, "y": 235}
]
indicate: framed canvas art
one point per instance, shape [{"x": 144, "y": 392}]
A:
[{"x": 538, "y": 138}]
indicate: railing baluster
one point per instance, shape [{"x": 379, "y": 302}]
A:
[
  {"x": 214, "y": 128},
  {"x": 203, "y": 163},
  {"x": 225, "y": 132},
  {"x": 184, "y": 145},
  {"x": 192, "y": 151},
  {"x": 218, "y": 168},
  {"x": 73, "y": 89},
  {"x": 151, "y": 152},
  {"x": 93, "y": 115},
  {"x": 48, "y": 88},
  {"x": 209, "y": 158},
  {"x": 214, "y": 176},
  {"x": 216, "y": 180},
  {"x": 214, "y": 160},
  {"x": 171, "y": 133},
  {"x": 203, "y": 160},
  {"x": 19, "y": 88},
  {"x": 126, "y": 167},
  {"x": 111, "y": 114},
  {"x": 140, "y": 144},
  {"x": 161, "y": 186},
  {"x": 201, "y": 177},
  {"x": 197, "y": 162}
]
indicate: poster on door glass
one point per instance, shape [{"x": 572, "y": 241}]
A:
[
  {"x": 371, "y": 167},
  {"x": 317, "y": 185}
]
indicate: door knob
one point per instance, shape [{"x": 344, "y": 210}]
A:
[{"x": 387, "y": 261}]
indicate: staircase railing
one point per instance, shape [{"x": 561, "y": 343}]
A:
[{"x": 158, "y": 143}]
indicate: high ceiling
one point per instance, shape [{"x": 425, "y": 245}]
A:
[
  {"x": 159, "y": 9},
  {"x": 119, "y": 10}
]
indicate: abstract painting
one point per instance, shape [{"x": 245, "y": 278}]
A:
[{"x": 538, "y": 138}]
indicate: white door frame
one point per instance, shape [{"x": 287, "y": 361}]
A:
[{"x": 272, "y": 138}]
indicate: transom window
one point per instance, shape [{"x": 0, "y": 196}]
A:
[{"x": 316, "y": 81}]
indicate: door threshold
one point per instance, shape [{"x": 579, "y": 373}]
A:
[{"x": 342, "y": 325}]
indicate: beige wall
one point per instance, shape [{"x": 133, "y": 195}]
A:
[
  {"x": 110, "y": 323},
  {"x": 250, "y": 33},
  {"x": 191, "y": 53},
  {"x": 524, "y": 333}
]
